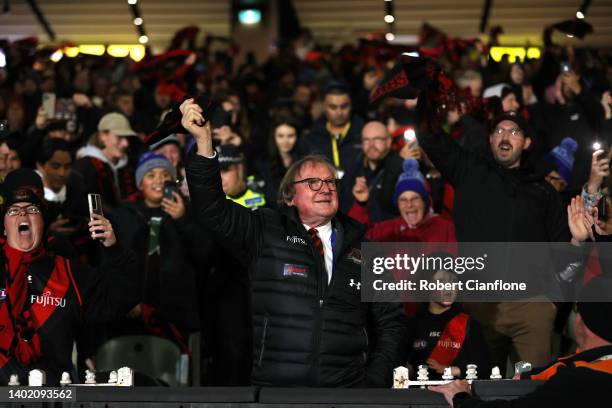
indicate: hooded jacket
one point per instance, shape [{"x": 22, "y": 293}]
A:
[
  {"x": 306, "y": 332},
  {"x": 94, "y": 173}
]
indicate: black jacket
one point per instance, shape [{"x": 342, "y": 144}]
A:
[
  {"x": 571, "y": 386},
  {"x": 170, "y": 283},
  {"x": 318, "y": 141},
  {"x": 494, "y": 204},
  {"x": 91, "y": 295},
  {"x": 306, "y": 333},
  {"x": 381, "y": 183}
]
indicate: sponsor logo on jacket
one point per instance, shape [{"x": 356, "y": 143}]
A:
[
  {"x": 296, "y": 240},
  {"x": 46, "y": 299},
  {"x": 295, "y": 270},
  {"x": 2, "y": 293}
]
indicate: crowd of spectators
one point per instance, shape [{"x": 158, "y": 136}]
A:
[{"x": 80, "y": 123}]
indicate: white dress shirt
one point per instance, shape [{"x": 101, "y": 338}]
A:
[{"x": 325, "y": 234}]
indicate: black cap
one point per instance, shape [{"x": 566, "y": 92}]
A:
[
  {"x": 22, "y": 186},
  {"x": 513, "y": 117},
  {"x": 596, "y": 315},
  {"x": 228, "y": 155}
]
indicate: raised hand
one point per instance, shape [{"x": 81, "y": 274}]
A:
[
  {"x": 600, "y": 168},
  {"x": 579, "y": 221},
  {"x": 361, "y": 192},
  {"x": 174, "y": 208},
  {"x": 195, "y": 124},
  {"x": 101, "y": 228}
]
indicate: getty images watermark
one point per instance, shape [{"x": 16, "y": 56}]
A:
[{"x": 480, "y": 272}]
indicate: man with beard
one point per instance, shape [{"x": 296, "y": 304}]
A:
[
  {"x": 381, "y": 167},
  {"x": 499, "y": 199},
  {"x": 335, "y": 134}
]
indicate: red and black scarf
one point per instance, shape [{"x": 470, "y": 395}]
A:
[{"x": 18, "y": 336}]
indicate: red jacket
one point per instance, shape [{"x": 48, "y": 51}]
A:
[{"x": 433, "y": 229}]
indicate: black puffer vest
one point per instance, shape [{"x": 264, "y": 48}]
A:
[{"x": 306, "y": 331}]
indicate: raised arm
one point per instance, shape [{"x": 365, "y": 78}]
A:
[{"x": 235, "y": 226}]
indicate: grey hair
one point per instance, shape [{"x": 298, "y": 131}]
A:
[{"x": 286, "y": 191}]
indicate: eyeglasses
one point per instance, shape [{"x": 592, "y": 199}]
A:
[
  {"x": 377, "y": 139},
  {"x": 315, "y": 184},
  {"x": 512, "y": 132},
  {"x": 30, "y": 209}
]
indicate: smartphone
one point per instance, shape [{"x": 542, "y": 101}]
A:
[
  {"x": 565, "y": 67},
  {"x": 48, "y": 102},
  {"x": 169, "y": 188},
  {"x": 602, "y": 209},
  {"x": 410, "y": 136},
  {"x": 95, "y": 204},
  {"x": 95, "y": 207}
]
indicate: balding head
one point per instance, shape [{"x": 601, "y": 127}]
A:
[{"x": 376, "y": 141}]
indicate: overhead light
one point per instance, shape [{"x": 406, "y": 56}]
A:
[
  {"x": 132, "y": 2},
  {"x": 71, "y": 52},
  {"x": 570, "y": 36},
  {"x": 92, "y": 49},
  {"x": 119, "y": 50},
  {"x": 138, "y": 21},
  {"x": 2, "y": 59},
  {"x": 579, "y": 15},
  {"x": 249, "y": 16},
  {"x": 137, "y": 52},
  {"x": 514, "y": 52},
  {"x": 143, "y": 39},
  {"x": 389, "y": 36},
  {"x": 389, "y": 19},
  {"x": 57, "y": 56}
]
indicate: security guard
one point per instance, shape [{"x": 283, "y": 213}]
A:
[{"x": 237, "y": 188}]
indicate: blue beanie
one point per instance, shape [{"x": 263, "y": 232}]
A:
[
  {"x": 150, "y": 161},
  {"x": 411, "y": 179},
  {"x": 562, "y": 157}
]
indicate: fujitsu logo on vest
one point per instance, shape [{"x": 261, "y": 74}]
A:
[
  {"x": 296, "y": 240},
  {"x": 46, "y": 299}
]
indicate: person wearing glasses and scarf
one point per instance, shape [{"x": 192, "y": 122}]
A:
[
  {"x": 45, "y": 297},
  {"x": 310, "y": 327}
]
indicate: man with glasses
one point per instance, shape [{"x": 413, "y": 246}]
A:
[
  {"x": 380, "y": 167},
  {"x": 310, "y": 327},
  {"x": 500, "y": 199}
]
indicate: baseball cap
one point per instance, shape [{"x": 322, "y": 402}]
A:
[
  {"x": 116, "y": 123},
  {"x": 513, "y": 117}
]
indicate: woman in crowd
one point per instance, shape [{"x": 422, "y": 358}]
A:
[
  {"x": 416, "y": 221},
  {"x": 282, "y": 152},
  {"x": 46, "y": 297}
]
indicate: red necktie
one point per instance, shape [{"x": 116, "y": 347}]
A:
[{"x": 314, "y": 235}]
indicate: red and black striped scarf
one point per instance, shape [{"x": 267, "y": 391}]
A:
[{"x": 18, "y": 336}]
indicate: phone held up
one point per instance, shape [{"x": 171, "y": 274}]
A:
[
  {"x": 170, "y": 187},
  {"x": 95, "y": 206}
]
